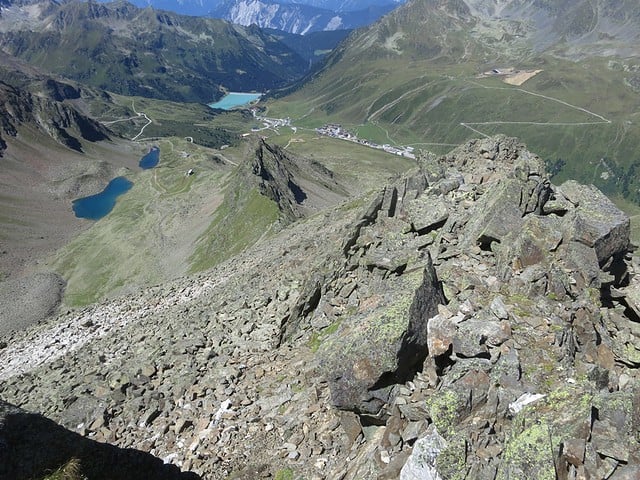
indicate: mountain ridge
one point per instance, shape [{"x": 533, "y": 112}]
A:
[
  {"x": 482, "y": 74},
  {"x": 294, "y": 17},
  {"x": 127, "y": 50}
]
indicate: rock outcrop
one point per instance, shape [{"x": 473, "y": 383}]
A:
[
  {"x": 470, "y": 321},
  {"x": 62, "y": 122}
]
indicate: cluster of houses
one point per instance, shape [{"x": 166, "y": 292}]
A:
[{"x": 336, "y": 131}]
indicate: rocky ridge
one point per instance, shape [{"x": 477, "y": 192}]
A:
[
  {"x": 49, "y": 114},
  {"x": 472, "y": 320}
]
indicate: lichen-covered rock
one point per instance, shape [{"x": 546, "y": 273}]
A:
[
  {"x": 382, "y": 342},
  {"x": 426, "y": 213}
]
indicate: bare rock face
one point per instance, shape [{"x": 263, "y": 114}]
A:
[
  {"x": 60, "y": 121},
  {"x": 296, "y": 185},
  {"x": 595, "y": 220}
]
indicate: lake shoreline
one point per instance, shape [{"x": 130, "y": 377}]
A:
[{"x": 234, "y": 100}]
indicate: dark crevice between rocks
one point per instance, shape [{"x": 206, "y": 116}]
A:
[
  {"x": 372, "y": 420},
  {"x": 617, "y": 267},
  {"x": 595, "y": 416},
  {"x": 628, "y": 311},
  {"x": 430, "y": 228},
  {"x": 444, "y": 362},
  {"x": 483, "y": 355},
  {"x": 485, "y": 242}
]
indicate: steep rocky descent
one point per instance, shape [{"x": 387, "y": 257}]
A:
[
  {"x": 453, "y": 346},
  {"x": 537, "y": 279}
]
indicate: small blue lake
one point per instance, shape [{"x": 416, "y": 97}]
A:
[
  {"x": 151, "y": 159},
  {"x": 97, "y": 206},
  {"x": 235, "y": 99}
]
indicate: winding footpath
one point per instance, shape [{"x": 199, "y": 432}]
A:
[
  {"x": 471, "y": 125},
  {"x": 140, "y": 114}
]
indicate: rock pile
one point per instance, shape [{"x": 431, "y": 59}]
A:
[{"x": 473, "y": 321}]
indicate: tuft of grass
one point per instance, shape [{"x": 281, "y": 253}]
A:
[
  {"x": 72, "y": 470},
  {"x": 284, "y": 474},
  {"x": 317, "y": 338}
]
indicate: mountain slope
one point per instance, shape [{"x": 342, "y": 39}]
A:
[
  {"x": 295, "y": 18},
  {"x": 132, "y": 51},
  {"x": 314, "y": 46},
  {"x": 202, "y": 8},
  {"x": 471, "y": 313},
  {"x": 435, "y": 73}
]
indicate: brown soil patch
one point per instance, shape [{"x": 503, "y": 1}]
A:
[{"x": 520, "y": 77}]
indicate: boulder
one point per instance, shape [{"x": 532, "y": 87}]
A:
[
  {"x": 381, "y": 344},
  {"x": 421, "y": 464},
  {"x": 426, "y": 213},
  {"x": 595, "y": 221}
]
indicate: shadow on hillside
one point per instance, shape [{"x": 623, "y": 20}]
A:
[{"x": 32, "y": 446}]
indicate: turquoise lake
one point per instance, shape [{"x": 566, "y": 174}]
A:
[
  {"x": 235, "y": 99},
  {"x": 97, "y": 206}
]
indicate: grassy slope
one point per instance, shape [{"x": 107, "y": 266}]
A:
[
  {"x": 148, "y": 235},
  {"x": 169, "y": 119},
  {"x": 424, "y": 103},
  {"x": 243, "y": 218}
]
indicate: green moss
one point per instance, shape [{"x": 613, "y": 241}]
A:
[
  {"x": 284, "y": 474},
  {"x": 317, "y": 338}
]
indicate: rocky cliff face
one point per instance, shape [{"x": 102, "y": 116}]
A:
[
  {"x": 296, "y": 17},
  {"x": 48, "y": 114},
  {"x": 472, "y": 320}
]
